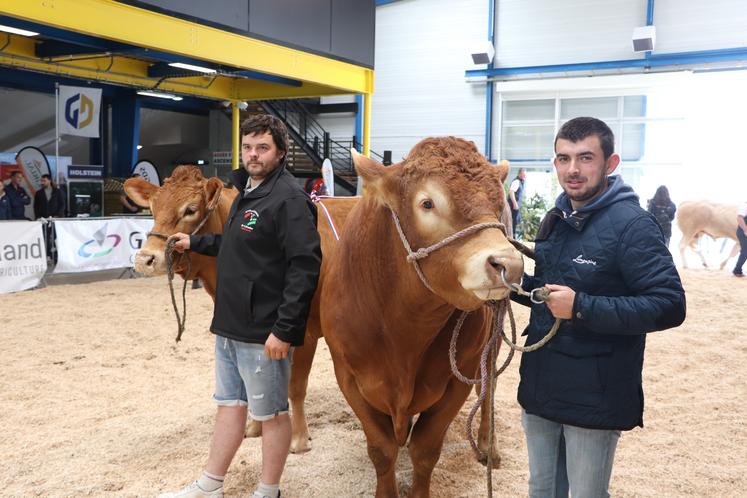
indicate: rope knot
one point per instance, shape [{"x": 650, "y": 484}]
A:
[{"x": 419, "y": 254}]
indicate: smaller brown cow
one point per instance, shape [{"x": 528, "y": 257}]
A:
[
  {"x": 179, "y": 205},
  {"x": 698, "y": 218}
]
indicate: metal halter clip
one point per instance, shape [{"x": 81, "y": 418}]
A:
[{"x": 537, "y": 299}]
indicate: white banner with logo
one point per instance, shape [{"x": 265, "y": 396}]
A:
[
  {"x": 99, "y": 244},
  {"x": 23, "y": 256},
  {"x": 79, "y": 109}
]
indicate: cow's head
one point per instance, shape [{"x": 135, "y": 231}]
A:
[
  {"x": 179, "y": 205},
  {"x": 443, "y": 186}
]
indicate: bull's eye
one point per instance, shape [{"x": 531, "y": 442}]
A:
[
  {"x": 426, "y": 204},
  {"x": 190, "y": 210}
]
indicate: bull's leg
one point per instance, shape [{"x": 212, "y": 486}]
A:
[
  {"x": 303, "y": 357},
  {"x": 428, "y": 436},
  {"x": 382, "y": 446},
  {"x": 483, "y": 433},
  {"x": 253, "y": 428},
  {"x": 734, "y": 252}
]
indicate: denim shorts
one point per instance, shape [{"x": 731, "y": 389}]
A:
[{"x": 245, "y": 376}]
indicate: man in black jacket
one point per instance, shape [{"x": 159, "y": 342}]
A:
[
  {"x": 269, "y": 257},
  {"x": 48, "y": 200},
  {"x": 612, "y": 280}
]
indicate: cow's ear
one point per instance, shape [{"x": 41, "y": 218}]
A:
[
  {"x": 213, "y": 189},
  {"x": 140, "y": 191},
  {"x": 503, "y": 168},
  {"x": 378, "y": 180}
]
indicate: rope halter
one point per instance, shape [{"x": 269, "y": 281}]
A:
[{"x": 414, "y": 256}]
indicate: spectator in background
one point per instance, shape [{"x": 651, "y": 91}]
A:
[
  {"x": 4, "y": 203},
  {"x": 48, "y": 201},
  {"x": 128, "y": 205},
  {"x": 17, "y": 197},
  {"x": 742, "y": 237},
  {"x": 663, "y": 209},
  {"x": 515, "y": 199}
]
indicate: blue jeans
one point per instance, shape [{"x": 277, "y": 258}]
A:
[
  {"x": 245, "y": 376},
  {"x": 561, "y": 455}
]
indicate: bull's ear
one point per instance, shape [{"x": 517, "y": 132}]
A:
[
  {"x": 503, "y": 168},
  {"x": 213, "y": 189},
  {"x": 140, "y": 191},
  {"x": 378, "y": 180}
]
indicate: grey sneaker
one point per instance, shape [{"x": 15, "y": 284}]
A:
[{"x": 193, "y": 491}]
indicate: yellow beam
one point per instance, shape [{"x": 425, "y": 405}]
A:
[
  {"x": 235, "y": 135},
  {"x": 367, "y": 125},
  {"x": 123, "y": 23},
  {"x": 19, "y": 53}
]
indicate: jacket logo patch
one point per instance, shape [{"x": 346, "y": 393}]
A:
[
  {"x": 580, "y": 260},
  {"x": 251, "y": 217}
]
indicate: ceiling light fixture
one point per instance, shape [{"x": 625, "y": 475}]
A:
[
  {"x": 191, "y": 67},
  {"x": 16, "y": 31},
  {"x": 160, "y": 95}
]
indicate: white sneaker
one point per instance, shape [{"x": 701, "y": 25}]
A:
[
  {"x": 257, "y": 495},
  {"x": 193, "y": 491}
]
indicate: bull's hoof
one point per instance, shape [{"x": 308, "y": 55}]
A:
[
  {"x": 253, "y": 429},
  {"x": 496, "y": 461},
  {"x": 483, "y": 447},
  {"x": 300, "y": 445}
]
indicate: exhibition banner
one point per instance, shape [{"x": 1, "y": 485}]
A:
[
  {"x": 23, "y": 256},
  {"x": 79, "y": 109},
  {"x": 99, "y": 244},
  {"x": 148, "y": 171}
]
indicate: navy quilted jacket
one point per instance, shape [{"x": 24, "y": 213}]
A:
[{"x": 612, "y": 253}]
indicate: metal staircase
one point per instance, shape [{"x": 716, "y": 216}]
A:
[{"x": 311, "y": 139}]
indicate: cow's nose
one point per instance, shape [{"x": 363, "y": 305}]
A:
[{"x": 148, "y": 263}]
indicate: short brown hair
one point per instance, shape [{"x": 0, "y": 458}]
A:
[{"x": 264, "y": 123}]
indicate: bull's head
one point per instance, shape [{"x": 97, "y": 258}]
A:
[
  {"x": 179, "y": 205},
  {"x": 444, "y": 186}
]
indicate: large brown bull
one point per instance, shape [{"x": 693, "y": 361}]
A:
[
  {"x": 698, "y": 218},
  {"x": 391, "y": 360}
]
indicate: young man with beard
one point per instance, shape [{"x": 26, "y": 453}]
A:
[
  {"x": 48, "y": 200},
  {"x": 612, "y": 280},
  {"x": 268, "y": 260}
]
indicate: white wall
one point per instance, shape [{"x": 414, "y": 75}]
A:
[
  {"x": 549, "y": 32},
  {"x": 422, "y": 50},
  {"x": 691, "y": 26}
]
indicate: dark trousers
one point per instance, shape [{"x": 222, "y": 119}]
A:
[
  {"x": 743, "y": 252},
  {"x": 515, "y": 221}
]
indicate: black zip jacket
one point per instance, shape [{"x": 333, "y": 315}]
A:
[{"x": 269, "y": 257}]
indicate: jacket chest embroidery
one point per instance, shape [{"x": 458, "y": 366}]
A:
[
  {"x": 249, "y": 220},
  {"x": 582, "y": 261}
]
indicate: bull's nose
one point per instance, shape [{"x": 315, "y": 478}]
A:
[{"x": 513, "y": 267}]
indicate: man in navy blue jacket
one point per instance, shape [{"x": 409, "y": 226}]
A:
[{"x": 612, "y": 280}]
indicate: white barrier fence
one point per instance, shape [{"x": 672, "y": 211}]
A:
[
  {"x": 98, "y": 243},
  {"x": 23, "y": 255},
  {"x": 82, "y": 244}
]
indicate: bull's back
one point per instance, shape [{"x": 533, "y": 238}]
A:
[{"x": 715, "y": 219}]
